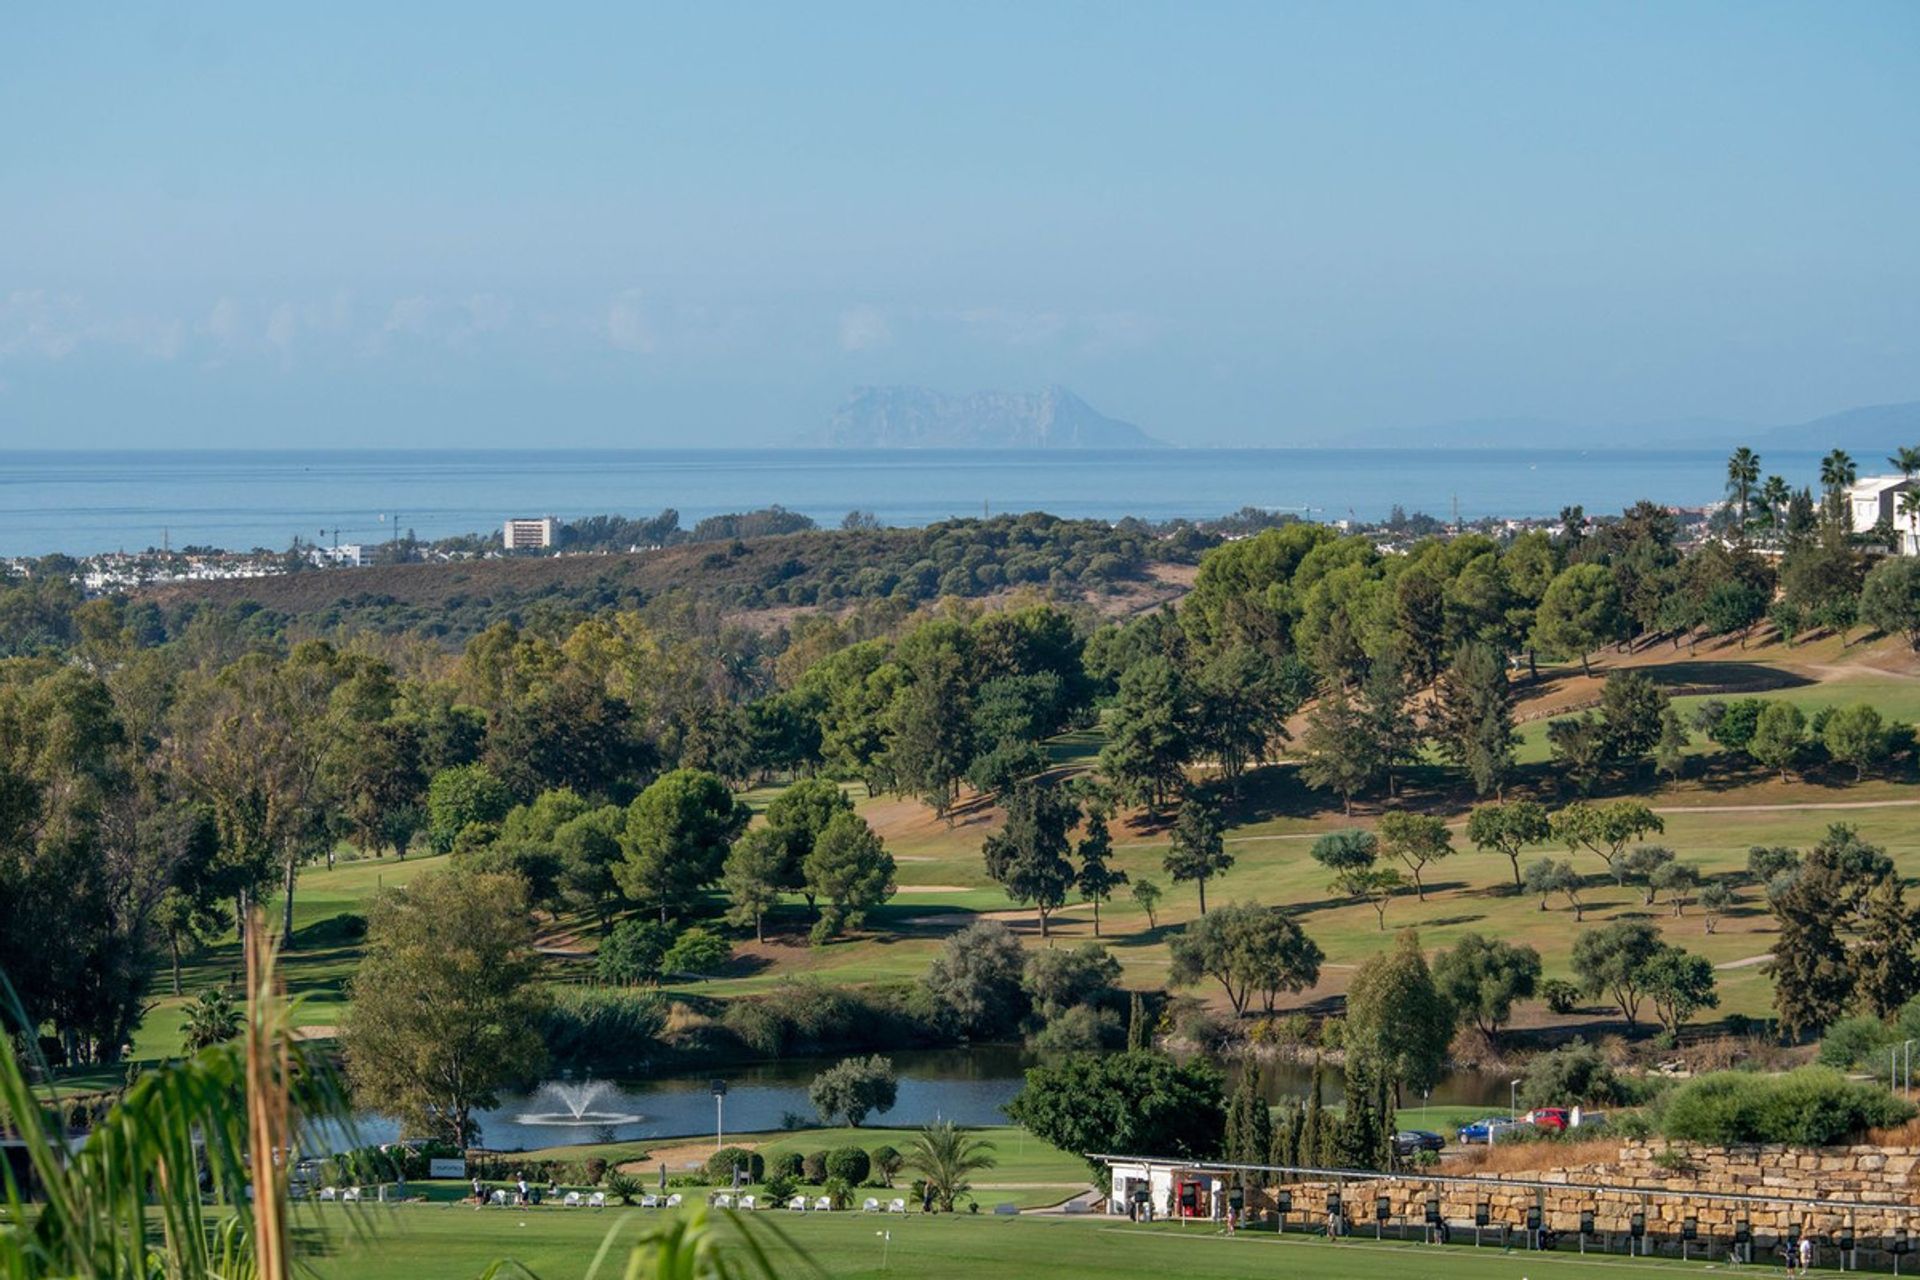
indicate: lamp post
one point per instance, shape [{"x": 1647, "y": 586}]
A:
[
  {"x": 1513, "y": 1100},
  {"x": 1906, "y": 1066},
  {"x": 719, "y": 1114}
]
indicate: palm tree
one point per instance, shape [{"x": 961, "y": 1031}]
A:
[
  {"x": 1743, "y": 474},
  {"x": 944, "y": 1156},
  {"x": 1910, "y": 512},
  {"x": 212, "y": 1019},
  {"x": 1906, "y": 460},
  {"x": 1774, "y": 497},
  {"x": 1837, "y": 472}
]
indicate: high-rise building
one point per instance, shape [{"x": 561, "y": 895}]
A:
[{"x": 531, "y": 532}]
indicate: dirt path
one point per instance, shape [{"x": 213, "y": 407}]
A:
[
  {"x": 1789, "y": 808},
  {"x": 1807, "y": 806},
  {"x": 1746, "y": 962}
]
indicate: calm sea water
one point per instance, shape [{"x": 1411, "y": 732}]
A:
[{"x": 82, "y": 503}]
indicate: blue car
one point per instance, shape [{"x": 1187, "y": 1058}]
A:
[{"x": 1481, "y": 1130}]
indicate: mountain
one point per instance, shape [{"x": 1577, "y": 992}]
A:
[
  {"x": 916, "y": 418},
  {"x": 1865, "y": 433}
]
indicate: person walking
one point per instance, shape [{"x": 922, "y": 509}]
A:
[{"x": 1806, "y": 1254}]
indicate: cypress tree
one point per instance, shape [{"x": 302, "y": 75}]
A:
[
  {"x": 1284, "y": 1149},
  {"x": 1139, "y": 1034},
  {"x": 1313, "y": 1130},
  {"x": 1237, "y": 1125}
]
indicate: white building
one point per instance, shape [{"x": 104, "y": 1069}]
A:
[
  {"x": 1872, "y": 499},
  {"x": 529, "y": 533},
  {"x": 350, "y": 554}
]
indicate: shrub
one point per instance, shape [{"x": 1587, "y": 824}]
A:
[
  {"x": 589, "y": 1027},
  {"x": 1561, "y": 996},
  {"x": 595, "y": 1169},
  {"x": 1813, "y": 1106},
  {"x": 720, "y": 1164},
  {"x": 697, "y": 952},
  {"x": 1081, "y": 1029},
  {"x": 633, "y": 951},
  {"x": 886, "y": 1163},
  {"x": 850, "y": 1164},
  {"x": 840, "y": 1193},
  {"x": 1849, "y": 1041},
  {"x": 780, "y": 1187},
  {"x": 623, "y": 1187},
  {"x": 1204, "y": 1028},
  {"x": 1574, "y": 1073},
  {"x": 808, "y": 1018},
  {"x": 813, "y": 1167},
  {"x": 787, "y": 1164}
]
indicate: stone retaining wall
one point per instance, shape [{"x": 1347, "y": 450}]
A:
[{"x": 1835, "y": 1177}]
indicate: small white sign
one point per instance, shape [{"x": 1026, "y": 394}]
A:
[{"x": 446, "y": 1168}]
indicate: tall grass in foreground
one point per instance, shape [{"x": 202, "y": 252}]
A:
[{"x": 186, "y": 1176}]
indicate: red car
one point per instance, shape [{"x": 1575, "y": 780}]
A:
[{"x": 1555, "y": 1119}]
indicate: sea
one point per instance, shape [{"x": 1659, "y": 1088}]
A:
[{"x": 84, "y": 503}]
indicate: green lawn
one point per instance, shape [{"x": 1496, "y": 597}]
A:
[{"x": 431, "y": 1242}]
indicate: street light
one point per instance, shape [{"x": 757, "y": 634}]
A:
[
  {"x": 1906, "y": 1066},
  {"x": 1513, "y": 1100}
]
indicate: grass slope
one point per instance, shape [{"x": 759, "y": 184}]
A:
[{"x": 943, "y": 885}]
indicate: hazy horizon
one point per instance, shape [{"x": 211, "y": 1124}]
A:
[{"x": 1236, "y": 226}]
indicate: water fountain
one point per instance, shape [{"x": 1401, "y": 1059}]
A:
[{"x": 577, "y": 1099}]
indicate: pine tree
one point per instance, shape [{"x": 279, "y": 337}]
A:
[
  {"x": 1097, "y": 880},
  {"x": 1886, "y": 973},
  {"x": 1473, "y": 717},
  {"x": 1811, "y": 976}
]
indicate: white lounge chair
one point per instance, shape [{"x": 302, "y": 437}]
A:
[
  {"x": 351, "y": 1193},
  {"x": 870, "y": 1205},
  {"x": 649, "y": 1201},
  {"x": 598, "y": 1200},
  {"x": 750, "y": 1203},
  {"x": 797, "y": 1204},
  {"x": 896, "y": 1205},
  {"x": 572, "y": 1200},
  {"x": 673, "y": 1201},
  {"x": 329, "y": 1193},
  {"x": 723, "y": 1199},
  {"x": 823, "y": 1205},
  {"x": 498, "y": 1197}
]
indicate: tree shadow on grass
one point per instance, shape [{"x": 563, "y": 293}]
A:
[{"x": 1441, "y": 922}]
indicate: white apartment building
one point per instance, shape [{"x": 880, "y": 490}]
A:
[
  {"x": 1872, "y": 499},
  {"x": 530, "y": 533}
]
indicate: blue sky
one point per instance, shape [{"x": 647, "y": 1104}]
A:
[{"x": 702, "y": 224}]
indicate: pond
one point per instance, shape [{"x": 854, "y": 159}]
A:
[{"x": 968, "y": 1086}]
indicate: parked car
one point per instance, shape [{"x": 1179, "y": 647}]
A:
[
  {"x": 1408, "y": 1141},
  {"x": 1554, "y": 1119},
  {"x": 1479, "y": 1130},
  {"x": 1488, "y": 1130}
]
